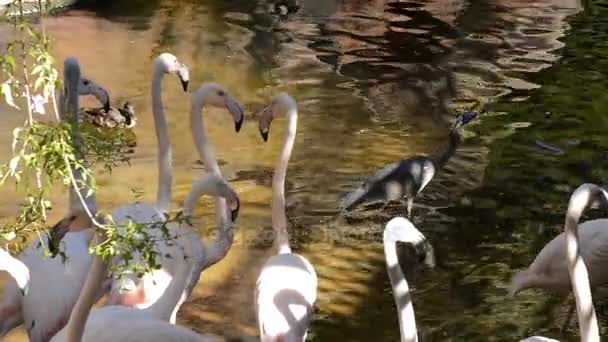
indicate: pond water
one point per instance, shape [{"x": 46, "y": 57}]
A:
[{"x": 375, "y": 81}]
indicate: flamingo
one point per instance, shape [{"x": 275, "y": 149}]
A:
[
  {"x": 45, "y": 314},
  {"x": 145, "y": 291},
  {"x": 122, "y": 323},
  {"x": 16, "y": 269},
  {"x": 549, "y": 269},
  {"x": 286, "y": 288},
  {"x": 406, "y": 178},
  {"x": 165, "y": 63},
  {"x": 573, "y": 254},
  {"x": 86, "y": 87},
  {"x": 401, "y": 229}
]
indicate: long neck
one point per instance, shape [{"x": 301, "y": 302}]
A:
[
  {"x": 401, "y": 294},
  {"x": 88, "y": 295},
  {"x": 163, "y": 194},
  {"x": 219, "y": 247},
  {"x": 165, "y": 305},
  {"x": 279, "y": 219},
  {"x": 15, "y": 268},
  {"x": 579, "y": 276},
  {"x": 84, "y": 185},
  {"x": 447, "y": 151}
]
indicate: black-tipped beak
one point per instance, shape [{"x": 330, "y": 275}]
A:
[
  {"x": 234, "y": 214},
  {"x": 236, "y": 111},
  {"x": 106, "y": 106},
  {"x": 264, "y": 135},
  {"x": 238, "y": 124},
  {"x": 25, "y": 290},
  {"x": 184, "y": 85},
  {"x": 56, "y": 234}
]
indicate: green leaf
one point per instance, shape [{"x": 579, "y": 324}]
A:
[
  {"x": 16, "y": 133},
  {"x": 14, "y": 163},
  {"x": 37, "y": 69},
  {"x": 10, "y": 60},
  {"x": 7, "y": 91},
  {"x": 9, "y": 236}
]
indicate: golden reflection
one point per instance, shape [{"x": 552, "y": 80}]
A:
[{"x": 346, "y": 131}]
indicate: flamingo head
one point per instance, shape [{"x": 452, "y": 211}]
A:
[
  {"x": 215, "y": 95},
  {"x": 281, "y": 105},
  {"x": 74, "y": 221},
  {"x": 168, "y": 63}
]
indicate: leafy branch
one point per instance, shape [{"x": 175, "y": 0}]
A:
[{"x": 44, "y": 155}]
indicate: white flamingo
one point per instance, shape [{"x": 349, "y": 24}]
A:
[
  {"x": 145, "y": 291},
  {"x": 401, "y": 229},
  {"x": 165, "y": 63},
  {"x": 122, "y": 323},
  {"x": 549, "y": 269},
  {"x": 286, "y": 288},
  {"x": 44, "y": 314},
  {"x": 573, "y": 254}
]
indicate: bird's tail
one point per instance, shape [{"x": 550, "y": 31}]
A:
[{"x": 352, "y": 199}]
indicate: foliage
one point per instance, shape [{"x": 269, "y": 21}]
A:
[{"x": 43, "y": 153}]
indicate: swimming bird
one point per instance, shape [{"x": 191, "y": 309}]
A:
[
  {"x": 286, "y": 289},
  {"x": 112, "y": 117},
  {"x": 566, "y": 263},
  {"x": 406, "y": 178}
]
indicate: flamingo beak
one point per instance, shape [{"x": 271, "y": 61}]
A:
[
  {"x": 106, "y": 106},
  {"x": 264, "y": 134},
  {"x": 184, "y": 76},
  {"x": 57, "y": 232},
  {"x": 25, "y": 290},
  {"x": 234, "y": 213},
  {"x": 237, "y": 112}
]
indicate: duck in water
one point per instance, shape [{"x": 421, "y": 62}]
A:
[
  {"x": 407, "y": 177},
  {"x": 111, "y": 117}
]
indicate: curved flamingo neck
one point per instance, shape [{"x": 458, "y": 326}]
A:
[
  {"x": 88, "y": 295},
  {"x": 279, "y": 219},
  {"x": 165, "y": 305},
  {"x": 205, "y": 150},
  {"x": 220, "y": 246},
  {"x": 401, "y": 293},
  {"x": 15, "y": 268},
  {"x": 165, "y": 177},
  {"x": 579, "y": 275}
]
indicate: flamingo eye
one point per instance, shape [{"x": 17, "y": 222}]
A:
[
  {"x": 85, "y": 82},
  {"x": 221, "y": 93}
]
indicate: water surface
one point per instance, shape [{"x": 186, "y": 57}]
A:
[{"x": 376, "y": 81}]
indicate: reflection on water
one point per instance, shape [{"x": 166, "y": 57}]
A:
[{"x": 375, "y": 81}]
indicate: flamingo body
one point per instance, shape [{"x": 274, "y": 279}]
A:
[
  {"x": 285, "y": 295},
  {"x": 549, "y": 269},
  {"x": 120, "y": 323}
]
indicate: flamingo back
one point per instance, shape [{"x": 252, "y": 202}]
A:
[
  {"x": 550, "y": 269},
  {"x": 120, "y": 323},
  {"x": 184, "y": 243},
  {"x": 54, "y": 285}
]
